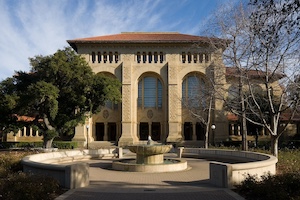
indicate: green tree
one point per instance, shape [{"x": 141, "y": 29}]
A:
[
  {"x": 60, "y": 91},
  {"x": 8, "y": 102}
]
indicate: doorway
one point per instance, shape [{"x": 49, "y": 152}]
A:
[
  {"x": 99, "y": 131},
  {"x": 144, "y": 131},
  {"x": 188, "y": 131},
  {"x": 155, "y": 135},
  {"x": 111, "y": 131}
]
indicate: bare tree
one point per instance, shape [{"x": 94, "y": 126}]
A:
[
  {"x": 263, "y": 50},
  {"x": 198, "y": 101},
  {"x": 274, "y": 26},
  {"x": 232, "y": 25}
]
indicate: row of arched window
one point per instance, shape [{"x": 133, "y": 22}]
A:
[
  {"x": 150, "y": 92},
  {"x": 150, "y": 57},
  {"x": 195, "y": 57},
  {"x": 105, "y": 57}
]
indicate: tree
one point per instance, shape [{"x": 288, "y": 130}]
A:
[
  {"x": 275, "y": 51},
  {"x": 231, "y": 25},
  {"x": 197, "y": 99},
  {"x": 8, "y": 100},
  {"x": 264, "y": 50},
  {"x": 60, "y": 91}
]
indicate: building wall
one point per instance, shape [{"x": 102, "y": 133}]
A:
[{"x": 171, "y": 72}]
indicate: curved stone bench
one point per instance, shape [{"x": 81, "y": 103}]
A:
[
  {"x": 65, "y": 166},
  {"x": 228, "y": 168}
]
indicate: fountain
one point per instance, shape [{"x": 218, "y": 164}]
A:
[{"x": 150, "y": 158}]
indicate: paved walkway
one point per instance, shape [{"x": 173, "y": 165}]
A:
[{"x": 191, "y": 184}]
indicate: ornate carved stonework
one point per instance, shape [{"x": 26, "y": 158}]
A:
[
  {"x": 150, "y": 114},
  {"x": 173, "y": 102},
  {"x": 105, "y": 114},
  {"x": 126, "y": 104}
]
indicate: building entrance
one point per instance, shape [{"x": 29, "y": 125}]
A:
[
  {"x": 144, "y": 131},
  {"x": 99, "y": 131},
  {"x": 155, "y": 132},
  {"x": 188, "y": 131}
]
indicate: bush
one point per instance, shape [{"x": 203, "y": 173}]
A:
[
  {"x": 19, "y": 186},
  {"x": 283, "y": 186},
  {"x": 16, "y": 185},
  {"x": 65, "y": 145},
  {"x": 26, "y": 145}
]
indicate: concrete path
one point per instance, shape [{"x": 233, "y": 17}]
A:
[{"x": 191, "y": 184}]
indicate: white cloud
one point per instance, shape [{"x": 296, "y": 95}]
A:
[{"x": 35, "y": 27}]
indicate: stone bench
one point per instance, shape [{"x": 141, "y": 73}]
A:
[
  {"x": 66, "y": 166},
  {"x": 228, "y": 168}
]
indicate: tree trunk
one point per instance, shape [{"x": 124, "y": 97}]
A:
[
  {"x": 274, "y": 145},
  {"x": 243, "y": 117},
  {"x": 208, "y": 123},
  {"x": 48, "y": 140},
  {"x": 47, "y": 143}
]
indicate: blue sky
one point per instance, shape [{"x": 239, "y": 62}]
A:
[{"x": 40, "y": 27}]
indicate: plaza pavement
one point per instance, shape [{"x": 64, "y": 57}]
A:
[{"x": 191, "y": 184}]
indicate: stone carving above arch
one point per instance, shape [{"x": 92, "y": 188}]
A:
[
  {"x": 150, "y": 114},
  {"x": 105, "y": 114}
]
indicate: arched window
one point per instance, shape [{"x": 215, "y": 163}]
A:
[
  {"x": 189, "y": 55},
  {"x": 110, "y": 57},
  {"x": 93, "y": 57},
  {"x": 144, "y": 57},
  {"x": 194, "y": 92},
  {"x": 233, "y": 93},
  {"x": 150, "y": 93},
  {"x": 138, "y": 57},
  {"x": 149, "y": 57},
  {"x": 99, "y": 57}
]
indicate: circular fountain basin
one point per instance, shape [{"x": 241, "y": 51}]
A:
[
  {"x": 150, "y": 158},
  {"x": 150, "y": 154},
  {"x": 169, "y": 165}
]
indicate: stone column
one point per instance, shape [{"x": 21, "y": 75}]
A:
[
  {"x": 105, "y": 137},
  {"x": 129, "y": 135},
  {"x": 174, "y": 109},
  {"x": 194, "y": 132},
  {"x": 150, "y": 128}
]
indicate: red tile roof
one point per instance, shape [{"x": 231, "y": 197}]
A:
[
  {"x": 232, "y": 71},
  {"x": 143, "y": 37}
]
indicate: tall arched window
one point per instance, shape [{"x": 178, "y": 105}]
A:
[
  {"x": 150, "y": 93},
  {"x": 194, "y": 92}
]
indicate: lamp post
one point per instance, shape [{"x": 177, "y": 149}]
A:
[
  {"x": 87, "y": 136},
  {"x": 213, "y": 127}
]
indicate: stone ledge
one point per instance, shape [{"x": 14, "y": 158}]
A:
[
  {"x": 228, "y": 168},
  {"x": 63, "y": 165}
]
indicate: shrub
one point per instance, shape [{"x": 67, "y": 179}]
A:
[
  {"x": 28, "y": 187},
  {"x": 283, "y": 186}
]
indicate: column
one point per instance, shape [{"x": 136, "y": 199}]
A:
[
  {"x": 194, "y": 132},
  {"x": 174, "y": 103},
  {"x": 105, "y": 137},
  {"x": 129, "y": 134},
  {"x": 150, "y": 128},
  {"x": 30, "y": 132},
  {"x": 231, "y": 129}
]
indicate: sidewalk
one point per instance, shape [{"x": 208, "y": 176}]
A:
[{"x": 191, "y": 184}]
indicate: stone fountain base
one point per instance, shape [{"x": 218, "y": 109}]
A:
[
  {"x": 169, "y": 165},
  {"x": 150, "y": 158}
]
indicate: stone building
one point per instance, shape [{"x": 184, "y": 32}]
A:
[
  {"x": 157, "y": 71},
  {"x": 161, "y": 73}
]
